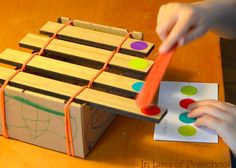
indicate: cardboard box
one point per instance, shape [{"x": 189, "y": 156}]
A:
[{"x": 39, "y": 119}]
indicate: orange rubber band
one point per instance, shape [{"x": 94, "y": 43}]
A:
[
  {"x": 3, "y": 115},
  {"x": 2, "y": 88},
  {"x": 2, "y": 104},
  {"x": 54, "y": 36},
  {"x": 69, "y": 139},
  {"x": 28, "y": 60},
  {"x": 68, "y": 130}
]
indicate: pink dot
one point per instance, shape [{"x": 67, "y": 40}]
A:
[
  {"x": 186, "y": 102},
  {"x": 151, "y": 110}
]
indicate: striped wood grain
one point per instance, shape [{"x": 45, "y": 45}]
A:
[
  {"x": 60, "y": 69},
  {"x": 94, "y": 38},
  {"x": 67, "y": 49},
  {"x": 102, "y": 100}
]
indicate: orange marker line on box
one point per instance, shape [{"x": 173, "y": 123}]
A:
[{"x": 145, "y": 98}]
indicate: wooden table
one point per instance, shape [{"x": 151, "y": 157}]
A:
[{"x": 128, "y": 142}]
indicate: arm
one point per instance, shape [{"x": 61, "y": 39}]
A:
[
  {"x": 179, "y": 23},
  {"x": 222, "y": 15}
]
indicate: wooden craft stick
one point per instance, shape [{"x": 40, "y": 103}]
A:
[
  {"x": 77, "y": 51},
  {"x": 60, "y": 69},
  {"x": 96, "y": 27},
  {"x": 137, "y": 35},
  {"x": 102, "y": 28},
  {"x": 113, "y": 103},
  {"x": 98, "y": 39}
]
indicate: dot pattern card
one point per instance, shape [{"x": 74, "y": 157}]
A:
[{"x": 176, "y": 126}]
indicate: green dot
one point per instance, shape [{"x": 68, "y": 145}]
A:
[
  {"x": 187, "y": 130},
  {"x": 189, "y": 90},
  {"x": 185, "y": 119},
  {"x": 138, "y": 63}
]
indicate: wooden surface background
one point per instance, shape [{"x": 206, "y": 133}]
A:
[{"x": 128, "y": 142}]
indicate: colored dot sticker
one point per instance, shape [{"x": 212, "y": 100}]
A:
[
  {"x": 152, "y": 110},
  {"x": 138, "y": 63},
  {"x": 189, "y": 90},
  {"x": 185, "y": 119},
  {"x": 138, "y": 45},
  {"x": 186, "y": 102},
  {"x": 137, "y": 86},
  {"x": 187, "y": 130}
]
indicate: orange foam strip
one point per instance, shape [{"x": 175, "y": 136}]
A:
[{"x": 153, "y": 79}]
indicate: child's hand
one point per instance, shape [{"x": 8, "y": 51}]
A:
[
  {"x": 179, "y": 24},
  {"x": 218, "y": 116}
]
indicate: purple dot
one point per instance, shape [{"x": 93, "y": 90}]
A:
[{"x": 139, "y": 45}]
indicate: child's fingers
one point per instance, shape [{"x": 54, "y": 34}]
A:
[
  {"x": 214, "y": 110},
  {"x": 212, "y": 102},
  {"x": 209, "y": 110},
  {"x": 210, "y": 122},
  {"x": 165, "y": 22},
  {"x": 161, "y": 14},
  {"x": 163, "y": 28},
  {"x": 230, "y": 104},
  {"x": 180, "y": 28},
  {"x": 193, "y": 34}
]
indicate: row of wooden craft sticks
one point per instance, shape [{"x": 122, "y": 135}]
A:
[{"x": 74, "y": 57}]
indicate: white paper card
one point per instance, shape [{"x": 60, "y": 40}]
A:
[{"x": 176, "y": 126}]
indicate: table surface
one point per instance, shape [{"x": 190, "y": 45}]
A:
[{"x": 128, "y": 142}]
